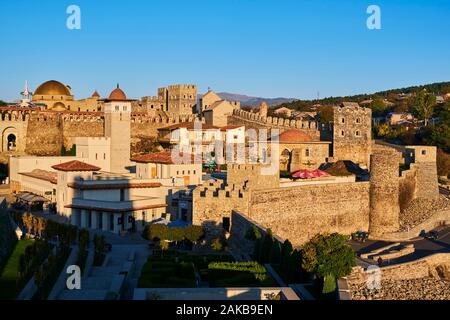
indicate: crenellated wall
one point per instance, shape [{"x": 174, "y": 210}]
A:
[
  {"x": 257, "y": 121},
  {"x": 43, "y": 133}
]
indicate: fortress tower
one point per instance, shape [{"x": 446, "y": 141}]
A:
[
  {"x": 352, "y": 128},
  {"x": 384, "y": 193},
  {"x": 117, "y": 128},
  {"x": 180, "y": 98},
  {"x": 263, "y": 109}
]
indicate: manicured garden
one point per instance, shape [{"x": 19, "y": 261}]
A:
[
  {"x": 167, "y": 271},
  {"x": 172, "y": 269},
  {"x": 237, "y": 274}
]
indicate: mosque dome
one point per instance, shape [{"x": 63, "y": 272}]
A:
[{"x": 52, "y": 88}]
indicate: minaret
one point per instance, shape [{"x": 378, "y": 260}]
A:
[
  {"x": 118, "y": 129},
  {"x": 24, "y": 102}
]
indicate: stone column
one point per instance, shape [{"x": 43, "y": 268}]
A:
[
  {"x": 75, "y": 217},
  {"x": 84, "y": 219},
  {"x": 105, "y": 222},
  {"x": 94, "y": 218},
  {"x": 116, "y": 223}
]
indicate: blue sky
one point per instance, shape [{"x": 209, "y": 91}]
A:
[{"x": 289, "y": 48}]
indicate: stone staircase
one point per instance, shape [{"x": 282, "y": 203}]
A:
[{"x": 97, "y": 284}]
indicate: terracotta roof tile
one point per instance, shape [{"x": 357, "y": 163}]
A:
[
  {"x": 163, "y": 158},
  {"x": 189, "y": 126},
  {"x": 75, "y": 165},
  {"x": 294, "y": 135},
  {"x": 111, "y": 186},
  {"x": 42, "y": 175}
]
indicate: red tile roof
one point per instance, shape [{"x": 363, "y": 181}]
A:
[
  {"x": 294, "y": 135},
  {"x": 42, "y": 175},
  {"x": 189, "y": 126},
  {"x": 163, "y": 158},
  {"x": 75, "y": 165},
  {"x": 115, "y": 210},
  {"x": 112, "y": 186}
]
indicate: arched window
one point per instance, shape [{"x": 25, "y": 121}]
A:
[
  {"x": 307, "y": 152},
  {"x": 358, "y": 133},
  {"x": 11, "y": 142}
]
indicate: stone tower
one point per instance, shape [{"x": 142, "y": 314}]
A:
[
  {"x": 179, "y": 98},
  {"x": 384, "y": 193},
  {"x": 352, "y": 128},
  {"x": 118, "y": 129},
  {"x": 263, "y": 108}
]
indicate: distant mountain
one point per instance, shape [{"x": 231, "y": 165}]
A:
[{"x": 253, "y": 101}]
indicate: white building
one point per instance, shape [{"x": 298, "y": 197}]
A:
[{"x": 96, "y": 189}]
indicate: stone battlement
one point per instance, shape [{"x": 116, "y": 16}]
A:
[{"x": 275, "y": 121}]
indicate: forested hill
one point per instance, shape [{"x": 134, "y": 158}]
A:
[{"x": 437, "y": 88}]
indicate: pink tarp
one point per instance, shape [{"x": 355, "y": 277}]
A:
[{"x": 308, "y": 174}]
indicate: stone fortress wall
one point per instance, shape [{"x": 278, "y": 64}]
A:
[
  {"x": 43, "y": 133},
  {"x": 298, "y": 213},
  {"x": 257, "y": 121}
]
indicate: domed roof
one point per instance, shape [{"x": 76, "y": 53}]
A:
[
  {"x": 117, "y": 94},
  {"x": 294, "y": 135},
  {"x": 52, "y": 87}
]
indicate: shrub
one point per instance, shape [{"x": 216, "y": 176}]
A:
[{"x": 252, "y": 234}]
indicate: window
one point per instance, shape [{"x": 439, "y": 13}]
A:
[
  {"x": 194, "y": 172},
  {"x": 96, "y": 156},
  {"x": 117, "y": 108},
  {"x": 424, "y": 152},
  {"x": 122, "y": 195},
  {"x": 358, "y": 133},
  {"x": 144, "y": 217},
  {"x": 342, "y": 120},
  {"x": 342, "y": 133},
  {"x": 104, "y": 156},
  {"x": 307, "y": 152},
  {"x": 235, "y": 137},
  {"x": 358, "y": 120}
]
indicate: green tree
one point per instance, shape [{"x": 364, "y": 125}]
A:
[
  {"x": 423, "y": 105},
  {"x": 378, "y": 106},
  {"x": 164, "y": 246},
  {"x": 328, "y": 256},
  {"x": 443, "y": 163},
  {"x": 275, "y": 252},
  {"x": 194, "y": 233},
  {"x": 286, "y": 251},
  {"x": 217, "y": 244},
  {"x": 252, "y": 233},
  {"x": 266, "y": 247}
]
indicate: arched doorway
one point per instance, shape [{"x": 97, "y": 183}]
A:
[
  {"x": 285, "y": 160},
  {"x": 11, "y": 142}
]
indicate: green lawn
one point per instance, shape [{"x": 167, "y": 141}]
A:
[{"x": 8, "y": 288}]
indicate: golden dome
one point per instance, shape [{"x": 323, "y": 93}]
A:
[{"x": 52, "y": 88}]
